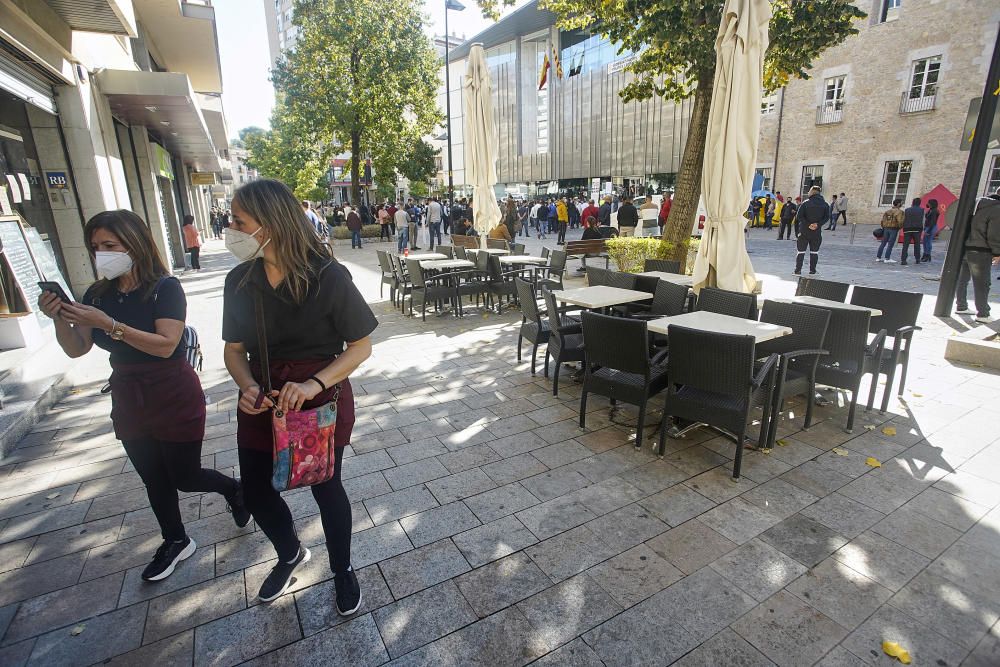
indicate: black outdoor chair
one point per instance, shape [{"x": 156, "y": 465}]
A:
[
  {"x": 388, "y": 277},
  {"x": 799, "y": 353},
  {"x": 617, "y": 365},
  {"x": 851, "y": 355},
  {"x": 669, "y": 299},
  {"x": 726, "y": 302},
  {"x": 447, "y": 250},
  {"x": 404, "y": 287},
  {"x": 432, "y": 289},
  {"x": 497, "y": 244},
  {"x": 565, "y": 339},
  {"x": 551, "y": 276},
  {"x": 664, "y": 265},
  {"x": 899, "y": 320},
  {"x": 517, "y": 249},
  {"x": 822, "y": 289},
  {"x": 500, "y": 283},
  {"x": 596, "y": 276},
  {"x": 545, "y": 252},
  {"x": 460, "y": 252},
  {"x": 620, "y": 279},
  {"x": 713, "y": 380},
  {"x": 533, "y": 329}
]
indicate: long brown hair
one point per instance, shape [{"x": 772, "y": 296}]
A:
[
  {"x": 296, "y": 245},
  {"x": 138, "y": 241}
]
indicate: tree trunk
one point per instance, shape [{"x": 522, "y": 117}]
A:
[
  {"x": 355, "y": 168},
  {"x": 688, "y": 190}
]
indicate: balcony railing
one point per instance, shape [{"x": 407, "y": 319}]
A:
[
  {"x": 826, "y": 115},
  {"x": 909, "y": 104}
]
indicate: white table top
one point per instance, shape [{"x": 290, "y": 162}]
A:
[
  {"x": 522, "y": 259},
  {"x": 492, "y": 251},
  {"x": 716, "y": 323},
  {"x": 826, "y": 303},
  {"x": 675, "y": 278},
  {"x": 439, "y": 264},
  {"x": 424, "y": 255},
  {"x": 600, "y": 296}
]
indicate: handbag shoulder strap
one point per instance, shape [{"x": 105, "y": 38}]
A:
[{"x": 265, "y": 366}]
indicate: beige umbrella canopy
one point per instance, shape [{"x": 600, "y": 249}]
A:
[
  {"x": 731, "y": 145},
  {"x": 481, "y": 142}
]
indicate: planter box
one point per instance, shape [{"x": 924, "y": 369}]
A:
[{"x": 979, "y": 346}]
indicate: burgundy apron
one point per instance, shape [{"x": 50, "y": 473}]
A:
[
  {"x": 254, "y": 431},
  {"x": 159, "y": 400}
]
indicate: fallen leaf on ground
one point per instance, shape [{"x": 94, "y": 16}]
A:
[
  {"x": 52, "y": 496},
  {"x": 894, "y": 650},
  {"x": 889, "y": 430},
  {"x": 916, "y": 395},
  {"x": 840, "y": 451},
  {"x": 873, "y": 462},
  {"x": 77, "y": 630},
  {"x": 869, "y": 427},
  {"x": 765, "y": 450},
  {"x": 782, "y": 443}
]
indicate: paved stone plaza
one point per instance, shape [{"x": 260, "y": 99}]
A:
[{"x": 491, "y": 530}]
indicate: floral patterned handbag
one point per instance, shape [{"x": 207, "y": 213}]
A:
[{"x": 303, "y": 439}]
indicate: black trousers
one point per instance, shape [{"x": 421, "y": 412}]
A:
[
  {"x": 785, "y": 229},
  {"x": 384, "y": 233},
  {"x": 275, "y": 519},
  {"x": 914, "y": 238},
  {"x": 168, "y": 467},
  {"x": 562, "y": 233},
  {"x": 975, "y": 266},
  {"x": 812, "y": 244},
  {"x": 195, "y": 252}
]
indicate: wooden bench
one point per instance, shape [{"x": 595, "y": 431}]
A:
[
  {"x": 467, "y": 242},
  {"x": 588, "y": 248}
]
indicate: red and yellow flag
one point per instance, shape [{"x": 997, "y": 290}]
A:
[
  {"x": 558, "y": 63},
  {"x": 544, "y": 77}
]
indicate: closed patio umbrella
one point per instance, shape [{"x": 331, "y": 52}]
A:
[
  {"x": 731, "y": 145},
  {"x": 481, "y": 142}
]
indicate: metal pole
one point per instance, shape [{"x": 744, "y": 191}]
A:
[
  {"x": 447, "y": 106},
  {"x": 970, "y": 185}
]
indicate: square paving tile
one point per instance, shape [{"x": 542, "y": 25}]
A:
[
  {"x": 725, "y": 648},
  {"x": 318, "y": 611},
  {"x": 627, "y": 527},
  {"x": 779, "y": 498},
  {"x": 635, "y": 575},
  {"x": 414, "y": 473},
  {"x": 739, "y": 520},
  {"x": 378, "y": 543},
  {"x": 881, "y": 560},
  {"x": 422, "y": 618},
  {"x": 502, "y": 583},
  {"x": 555, "y": 483},
  {"x": 438, "y": 523},
  {"x": 63, "y": 607},
  {"x": 356, "y": 642},
  {"x": 917, "y": 532},
  {"x": 398, "y": 504},
  {"x": 494, "y": 540},
  {"x": 190, "y": 607},
  {"x": 758, "y": 569},
  {"x": 950, "y": 510},
  {"x": 788, "y": 631},
  {"x": 175, "y": 651},
  {"x": 574, "y": 654},
  {"x": 103, "y": 637},
  {"x": 843, "y": 594},
  {"x": 514, "y": 469},
  {"x": 718, "y": 485},
  {"x": 500, "y": 502},
  {"x": 607, "y": 496},
  {"x": 423, "y": 567},
  {"x": 838, "y": 512},
  {"x": 460, "y": 485},
  {"x": 562, "y": 453},
  {"x": 805, "y": 540},
  {"x": 555, "y": 516},
  {"x": 567, "y": 610},
  {"x": 924, "y": 644},
  {"x": 469, "y": 457},
  {"x": 690, "y": 546},
  {"x": 963, "y": 616},
  {"x": 677, "y": 504},
  {"x": 570, "y": 553}
]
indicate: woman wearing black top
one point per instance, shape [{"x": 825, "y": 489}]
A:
[
  {"x": 136, "y": 312},
  {"x": 317, "y": 325},
  {"x": 931, "y": 218}
]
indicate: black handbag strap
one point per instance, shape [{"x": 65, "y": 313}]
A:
[{"x": 265, "y": 365}]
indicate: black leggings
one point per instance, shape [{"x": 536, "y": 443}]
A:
[
  {"x": 169, "y": 467},
  {"x": 195, "y": 264},
  {"x": 275, "y": 519}
]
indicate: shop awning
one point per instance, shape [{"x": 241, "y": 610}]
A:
[
  {"x": 109, "y": 16},
  {"x": 165, "y": 103}
]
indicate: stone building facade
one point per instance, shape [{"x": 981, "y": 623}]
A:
[{"x": 883, "y": 113}]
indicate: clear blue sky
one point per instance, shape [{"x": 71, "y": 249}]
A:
[{"x": 247, "y": 93}]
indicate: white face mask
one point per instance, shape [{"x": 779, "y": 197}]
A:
[
  {"x": 243, "y": 245},
  {"x": 111, "y": 265}
]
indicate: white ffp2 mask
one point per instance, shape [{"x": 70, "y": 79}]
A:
[
  {"x": 111, "y": 264},
  {"x": 243, "y": 246}
]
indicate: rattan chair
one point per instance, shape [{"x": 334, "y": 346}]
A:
[
  {"x": 822, "y": 289},
  {"x": 713, "y": 380},
  {"x": 500, "y": 283},
  {"x": 447, "y": 250},
  {"x": 799, "y": 353},
  {"x": 565, "y": 339},
  {"x": 617, "y": 365},
  {"x": 533, "y": 329},
  {"x": 851, "y": 355},
  {"x": 517, "y": 249},
  {"x": 554, "y": 271},
  {"x": 620, "y": 279},
  {"x": 726, "y": 302},
  {"x": 497, "y": 244},
  {"x": 545, "y": 252},
  {"x": 899, "y": 320},
  {"x": 664, "y": 265},
  {"x": 404, "y": 287},
  {"x": 596, "y": 276},
  {"x": 388, "y": 277},
  {"x": 460, "y": 252},
  {"x": 431, "y": 289}
]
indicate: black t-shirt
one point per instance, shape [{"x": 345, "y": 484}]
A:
[
  {"x": 166, "y": 303},
  {"x": 333, "y": 313}
]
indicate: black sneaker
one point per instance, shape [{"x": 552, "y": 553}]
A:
[
  {"x": 166, "y": 558},
  {"x": 236, "y": 507},
  {"x": 278, "y": 580},
  {"x": 348, "y": 592}
]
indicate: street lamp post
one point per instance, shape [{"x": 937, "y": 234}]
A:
[{"x": 456, "y": 6}]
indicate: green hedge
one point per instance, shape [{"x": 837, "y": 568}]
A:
[
  {"x": 367, "y": 232},
  {"x": 631, "y": 252}
]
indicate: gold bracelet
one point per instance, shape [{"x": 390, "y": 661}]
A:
[{"x": 118, "y": 333}]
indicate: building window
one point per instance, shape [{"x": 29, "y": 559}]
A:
[
  {"x": 767, "y": 103},
  {"x": 766, "y": 173},
  {"x": 811, "y": 175},
  {"x": 923, "y": 81},
  {"x": 889, "y": 10},
  {"x": 895, "y": 182},
  {"x": 993, "y": 177},
  {"x": 833, "y": 97}
]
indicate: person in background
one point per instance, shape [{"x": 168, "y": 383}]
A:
[
  {"x": 931, "y": 217},
  {"x": 769, "y": 205},
  {"x": 649, "y": 214},
  {"x": 779, "y": 196},
  {"x": 523, "y": 225},
  {"x": 192, "y": 241},
  {"x": 401, "y": 219},
  {"x": 318, "y": 226},
  {"x": 913, "y": 225},
  {"x": 842, "y": 207},
  {"x": 435, "y": 215},
  {"x": 981, "y": 249},
  {"x": 318, "y": 328},
  {"x": 390, "y": 208},
  {"x": 755, "y": 208},
  {"x": 216, "y": 223},
  {"x": 574, "y": 215},
  {"x": 813, "y": 213},
  {"x": 668, "y": 201},
  {"x": 533, "y": 218},
  {"x": 628, "y": 218},
  {"x": 385, "y": 231},
  {"x": 591, "y": 211},
  {"x": 786, "y": 222},
  {"x": 891, "y": 223},
  {"x": 354, "y": 225},
  {"x": 510, "y": 217},
  {"x": 500, "y": 232},
  {"x": 136, "y": 312},
  {"x": 833, "y": 214}
]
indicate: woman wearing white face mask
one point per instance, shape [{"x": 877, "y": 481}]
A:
[{"x": 136, "y": 312}]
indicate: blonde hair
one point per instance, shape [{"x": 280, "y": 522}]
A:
[{"x": 296, "y": 245}]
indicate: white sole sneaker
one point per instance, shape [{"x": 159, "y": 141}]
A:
[
  {"x": 288, "y": 582},
  {"x": 964, "y": 311},
  {"x": 361, "y": 598},
  {"x": 183, "y": 555},
  {"x": 983, "y": 320}
]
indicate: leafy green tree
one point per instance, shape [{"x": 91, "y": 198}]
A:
[
  {"x": 290, "y": 152},
  {"x": 420, "y": 165},
  {"x": 675, "y": 40},
  {"x": 360, "y": 78}
]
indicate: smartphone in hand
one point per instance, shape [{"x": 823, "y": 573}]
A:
[{"x": 55, "y": 288}]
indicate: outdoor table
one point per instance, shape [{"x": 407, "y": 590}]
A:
[
  {"x": 522, "y": 259},
  {"x": 826, "y": 303},
  {"x": 424, "y": 255},
  {"x": 716, "y": 323},
  {"x": 676, "y": 278},
  {"x": 442, "y": 264},
  {"x": 600, "y": 296},
  {"x": 492, "y": 251}
]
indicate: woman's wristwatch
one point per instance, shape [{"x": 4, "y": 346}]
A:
[{"x": 117, "y": 330}]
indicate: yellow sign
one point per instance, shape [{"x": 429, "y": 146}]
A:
[
  {"x": 202, "y": 178},
  {"x": 161, "y": 162}
]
